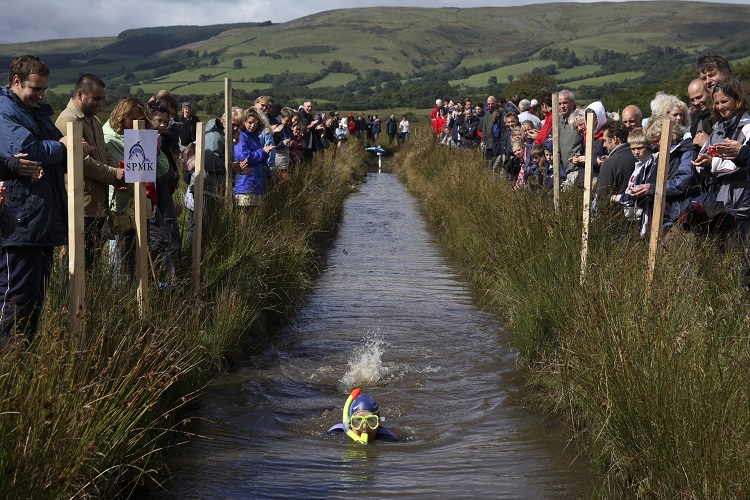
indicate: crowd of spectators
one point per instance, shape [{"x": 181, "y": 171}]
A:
[
  {"x": 707, "y": 187},
  {"x": 708, "y": 179},
  {"x": 269, "y": 141}
]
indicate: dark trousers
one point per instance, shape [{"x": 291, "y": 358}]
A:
[{"x": 24, "y": 275}]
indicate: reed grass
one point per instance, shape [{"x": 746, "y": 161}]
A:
[
  {"x": 651, "y": 379},
  {"x": 91, "y": 419}
]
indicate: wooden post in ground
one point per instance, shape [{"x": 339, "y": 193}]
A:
[
  {"x": 200, "y": 139},
  {"x": 660, "y": 198},
  {"x": 141, "y": 239},
  {"x": 588, "y": 175},
  {"x": 76, "y": 253},
  {"x": 556, "y": 150},
  {"x": 228, "y": 144}
]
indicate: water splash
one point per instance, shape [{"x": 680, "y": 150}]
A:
[{"x": 366, "y": 365}]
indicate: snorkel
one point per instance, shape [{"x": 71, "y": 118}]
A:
[{"x": 359, "y": 438}]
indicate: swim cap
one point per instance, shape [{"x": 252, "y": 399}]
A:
[{"x": 364, "y": 402}]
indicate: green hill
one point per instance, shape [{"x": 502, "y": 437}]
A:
[{"x": 367, "y": 56}]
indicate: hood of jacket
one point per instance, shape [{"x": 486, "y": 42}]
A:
[{"x": 601, "y": 114}]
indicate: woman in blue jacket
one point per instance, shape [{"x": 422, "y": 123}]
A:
[{"x": 248, "y": 188}]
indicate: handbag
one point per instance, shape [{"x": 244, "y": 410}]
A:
[
  {"x": 705, "y": 214},
  {"x": 122, "y": 221}
]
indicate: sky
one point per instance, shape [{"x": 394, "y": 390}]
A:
[{"x": 36, "y": 20}]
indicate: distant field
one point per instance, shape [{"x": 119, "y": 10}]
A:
[
  {"x": 480, "y": 79},
  {"x": 259, "y": 66},
  {"x": 578, "y": 72},
  {"x": 196, "y": 87},
  {"x": 601, "y": 80},
  {"x": 252, "y": 67},
  {"x": 632, "y": 43},
  {"x": 478, "y": 60},
  {"x": 333, "y": 80}
]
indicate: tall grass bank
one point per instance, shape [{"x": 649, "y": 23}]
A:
[
  {"x": 653, "y": 380},
  {"x": 91, "y": 420}
]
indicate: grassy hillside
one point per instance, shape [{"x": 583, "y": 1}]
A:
[{"x": 465, "y": 50}]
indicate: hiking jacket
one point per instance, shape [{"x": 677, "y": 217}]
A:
[
  {"x": 41, "y": 206},
  {"x": 250, "y": 146},
  {"x": 730, "y": 178},
  {"x": 99, "y": 168}
]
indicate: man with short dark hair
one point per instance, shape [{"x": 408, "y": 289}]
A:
[
  {"x": 188, "y": 126},
  {"x": 616, "y": 170},
  {"x": 512, "y": 105},
  {"x": 311, "y": 140},
  {"x": 545, "y": 134},
  {"x": 100, "y": 169},
  {"x": 468, "y": 130},
  {"x": 40, "y": 202},
  {"x": 715, "y": 68},
  {"x": 390, "y": 128}
]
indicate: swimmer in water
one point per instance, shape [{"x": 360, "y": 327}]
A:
[{"x": 361, "y": 419}]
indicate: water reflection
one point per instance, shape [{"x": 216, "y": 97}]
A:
[{"x": 390, "y": 314}]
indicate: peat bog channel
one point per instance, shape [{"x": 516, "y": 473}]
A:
[{"x": 389, "y": 313}]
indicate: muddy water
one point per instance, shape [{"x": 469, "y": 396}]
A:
[{"x": 390, "y": 314}]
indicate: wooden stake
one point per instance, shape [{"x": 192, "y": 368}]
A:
[
  {"x": 228, "y": 144},
  {"x": 660, "y": 198},
  {"x": 556, "y": 150},
  {"x": 76, "y": 245},
  {"x": 141, "y": 239},
  {"x": 200, "y": 139},
  {"x": 588, "y": 174}
]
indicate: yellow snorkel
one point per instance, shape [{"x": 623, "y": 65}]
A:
[{"x": 345, "y": 418}]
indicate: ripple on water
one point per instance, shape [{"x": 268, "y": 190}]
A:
[{"x": 391, "y": 315}]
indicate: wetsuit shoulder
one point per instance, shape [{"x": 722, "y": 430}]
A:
[
  {"x": 386, "y": 435},
  {"x": 336, "y": 428}
]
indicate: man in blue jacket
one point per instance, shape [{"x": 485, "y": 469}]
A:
[{"x": 40, "y": 203}]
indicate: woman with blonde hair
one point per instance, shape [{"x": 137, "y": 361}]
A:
[{"x": 678, "y": 112}]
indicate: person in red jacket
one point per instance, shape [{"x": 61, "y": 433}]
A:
[
  {"x": 440, "y": 121},
  {"x": 351, "y": 123}
]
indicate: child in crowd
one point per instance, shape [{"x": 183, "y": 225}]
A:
[
  {"x": 632, "y": 206},
  {"x": 445, "y": 137},
  {"x": 514, "y": 163},
  {"x": 548, "y": 169},
  {"x": 284, "y": 138},
  {"x": 536, "y": 166}
]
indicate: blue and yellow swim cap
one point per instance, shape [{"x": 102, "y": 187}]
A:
[{"x": 364, "y": 402}]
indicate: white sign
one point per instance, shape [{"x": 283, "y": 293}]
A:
[{"x": 140, "y": 155}]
